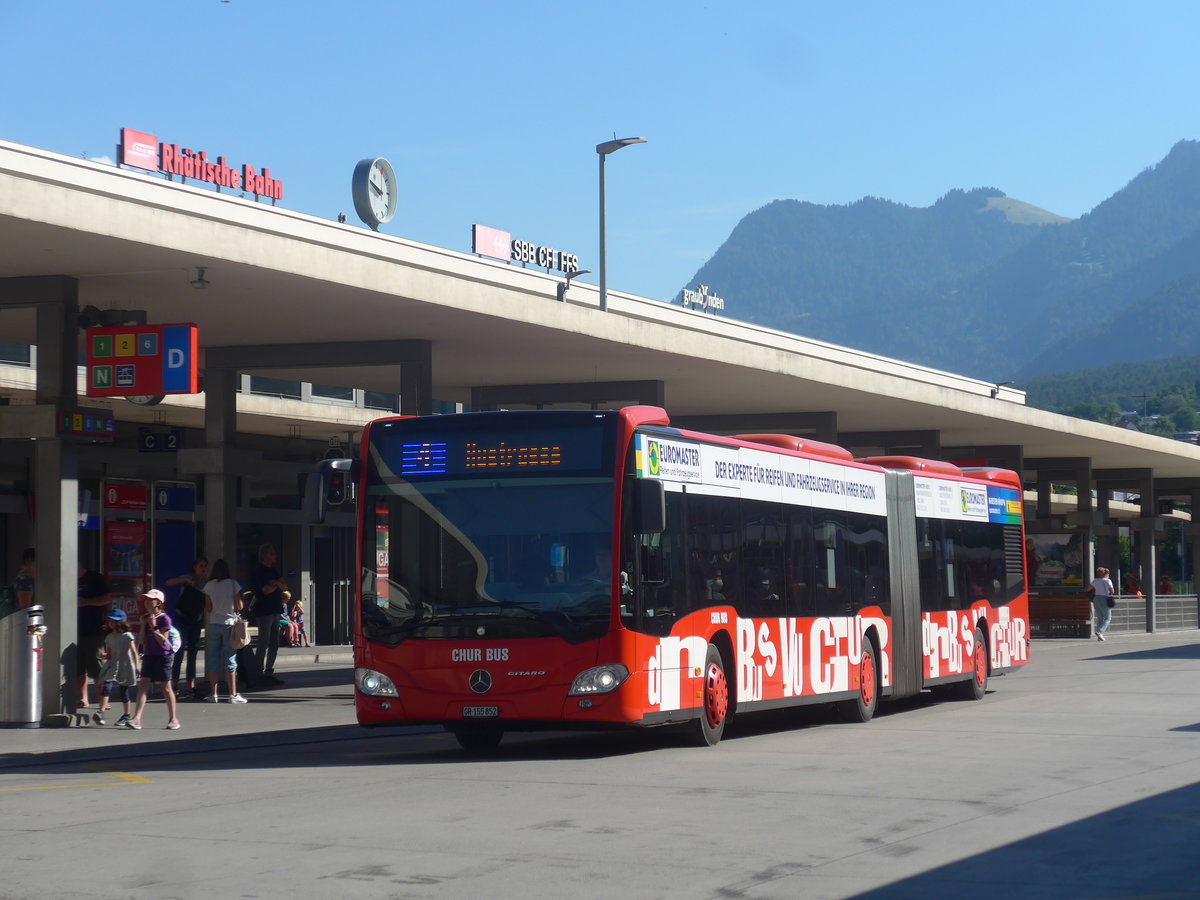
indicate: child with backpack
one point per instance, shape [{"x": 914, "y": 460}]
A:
[
  {"x": 120, "y": 668},
  {"x": 157, "y": 656}
]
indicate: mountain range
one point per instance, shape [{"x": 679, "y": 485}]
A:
[{"x": 979, "y": 283}]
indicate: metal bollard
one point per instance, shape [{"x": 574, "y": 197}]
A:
[{"x": 21, "y": 668}]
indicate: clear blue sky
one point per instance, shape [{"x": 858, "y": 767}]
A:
[{"x": 490, "y": 112}]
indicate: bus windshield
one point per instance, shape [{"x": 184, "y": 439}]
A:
[{"x": 497, "y": 558}]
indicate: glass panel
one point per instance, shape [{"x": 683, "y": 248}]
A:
[
  {"x": 274, "y": 387},
  {"x": 332, "y": 392}
]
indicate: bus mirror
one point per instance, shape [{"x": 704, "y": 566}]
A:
[
  {"x": 649, "y": 507},
  {"x": 331, "y": 485}
]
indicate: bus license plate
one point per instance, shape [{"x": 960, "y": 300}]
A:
[{"x": 481, "y": 712}]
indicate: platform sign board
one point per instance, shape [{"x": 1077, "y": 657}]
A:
[
  {"x": 143, "y": 360},
  {"x": 86, "y": 423}
]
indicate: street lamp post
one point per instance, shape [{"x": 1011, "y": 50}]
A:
[{"x": 602, "y": 150}]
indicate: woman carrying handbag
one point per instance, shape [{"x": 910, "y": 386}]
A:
[{"x": 223, "y": 603}]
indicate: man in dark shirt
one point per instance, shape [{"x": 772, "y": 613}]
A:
[
  {"x": 89, "y": 630},
  {"x": 268, "y": 590}
]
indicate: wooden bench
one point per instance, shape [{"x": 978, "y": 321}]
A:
[{"x": 1060, "y": 615}]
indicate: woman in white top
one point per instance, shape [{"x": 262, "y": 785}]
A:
[
  {"x": 222, "y": 602},
  {"x": 1102, "y": 589}
]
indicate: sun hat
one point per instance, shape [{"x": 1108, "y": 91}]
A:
[
  {"x": 118, "y": 615},
  {"x": 155, "y": 594}
]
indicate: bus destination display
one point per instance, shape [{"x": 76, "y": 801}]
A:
[{"x": 413, "y": 453}]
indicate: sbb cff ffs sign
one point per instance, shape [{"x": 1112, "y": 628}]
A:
[{"x": 140, "y": 360}]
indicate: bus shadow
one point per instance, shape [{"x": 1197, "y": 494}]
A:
[{"x": 1141, "y": 849}]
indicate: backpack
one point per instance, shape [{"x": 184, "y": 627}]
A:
[
  {"x": 190, "y": 605},
  {"x": 174, "y": 639}
]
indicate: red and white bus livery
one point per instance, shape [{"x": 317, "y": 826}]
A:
[{"x": 549, "y": 569}]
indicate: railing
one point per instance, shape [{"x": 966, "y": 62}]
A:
[{"x": 1069, "y": 614}]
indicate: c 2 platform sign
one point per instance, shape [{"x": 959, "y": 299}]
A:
[{"x": 140, "y": 360}]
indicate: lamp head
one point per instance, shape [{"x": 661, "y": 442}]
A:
[{"x": 616, "y": 144}]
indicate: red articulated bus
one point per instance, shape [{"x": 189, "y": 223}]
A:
[{"x": 555, "y": 569}]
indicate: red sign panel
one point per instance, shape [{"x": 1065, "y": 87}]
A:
[
  {"x": 491, "y": 242},
  {"x": 124, "y": 497},
  {"x": 139, "y": 149},
  {"x": 143, "y": 360}
]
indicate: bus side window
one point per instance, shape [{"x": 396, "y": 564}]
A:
[
  {"x": 713, "y": 549},
  {"x": 801, "y": 562}
]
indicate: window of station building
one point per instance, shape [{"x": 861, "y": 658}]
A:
[
  {"x": 275, "y": 387},
  {"x": 331, "y": 392},
  {"x": 15, "y": 353},
  {"x": 379, "y": 400}
]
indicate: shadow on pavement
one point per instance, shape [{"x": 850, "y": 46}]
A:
[
  {"x": 1145, "y": 849},
  {"x": 1179, "y": 651}
]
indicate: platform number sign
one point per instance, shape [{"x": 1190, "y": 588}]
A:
[{"x": 158, "y": 440}]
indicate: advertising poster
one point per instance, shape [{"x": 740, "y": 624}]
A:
[
  {"x": 1054, "y": 560},
  {"x": 124, "y": 549}
]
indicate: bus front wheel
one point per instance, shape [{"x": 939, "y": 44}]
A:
[{"x": 707, "y": 730}]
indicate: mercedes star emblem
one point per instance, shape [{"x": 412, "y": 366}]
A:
[{"x": 480, "y": 681}]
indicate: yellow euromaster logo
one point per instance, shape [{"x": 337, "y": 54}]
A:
[{"x": 653, "y": 458}]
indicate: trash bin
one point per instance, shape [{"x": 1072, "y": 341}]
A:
[{"x": 21, "y": 668}]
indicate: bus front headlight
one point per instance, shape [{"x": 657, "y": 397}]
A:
[
  {"x": 374, "y": 684},
  {"x": 600, "y": 680}
]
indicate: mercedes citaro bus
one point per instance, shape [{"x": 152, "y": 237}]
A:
[{"x": 577, "y": 568}]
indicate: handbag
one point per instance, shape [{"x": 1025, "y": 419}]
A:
[
  {"x": 1112, "y": 601},
  {"x": 239, "y": 634}
]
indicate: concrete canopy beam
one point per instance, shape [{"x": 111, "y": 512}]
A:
[
  {"x": 895, "y": 443},
  {"x": 821, "y": 425},
  {"x": 647, "y": 393}
]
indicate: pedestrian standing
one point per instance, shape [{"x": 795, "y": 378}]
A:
[
  {"x": 268, "y": 590},
  {"x": 93, "y": 600},
  {"x": 189, "y": 620},
  {"x": 223, "y": 603},
  {"x": 297, "y": 615},
  {"x": 120, "y": 670},
  {"x": 156, "y": 658},
  {"x": 1102, "y": 601}
]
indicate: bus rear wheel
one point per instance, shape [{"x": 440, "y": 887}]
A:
[
  {"x": 862, "y": 707},
  {"x": 478, "y": 739},
  {"x": 708, "y": 729},
  {"x": 976, "y": 686}
]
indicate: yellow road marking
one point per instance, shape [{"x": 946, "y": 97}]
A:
[{"x": 121, "y": 778}]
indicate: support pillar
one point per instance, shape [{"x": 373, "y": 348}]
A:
[
  {"x": 55, "y": 500},
  {"x": 220, "y": 479}
]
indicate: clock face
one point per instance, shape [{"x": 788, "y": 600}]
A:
[
  {"x": 146, "y": 399},
  {"x": 374, "y": 189}
]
